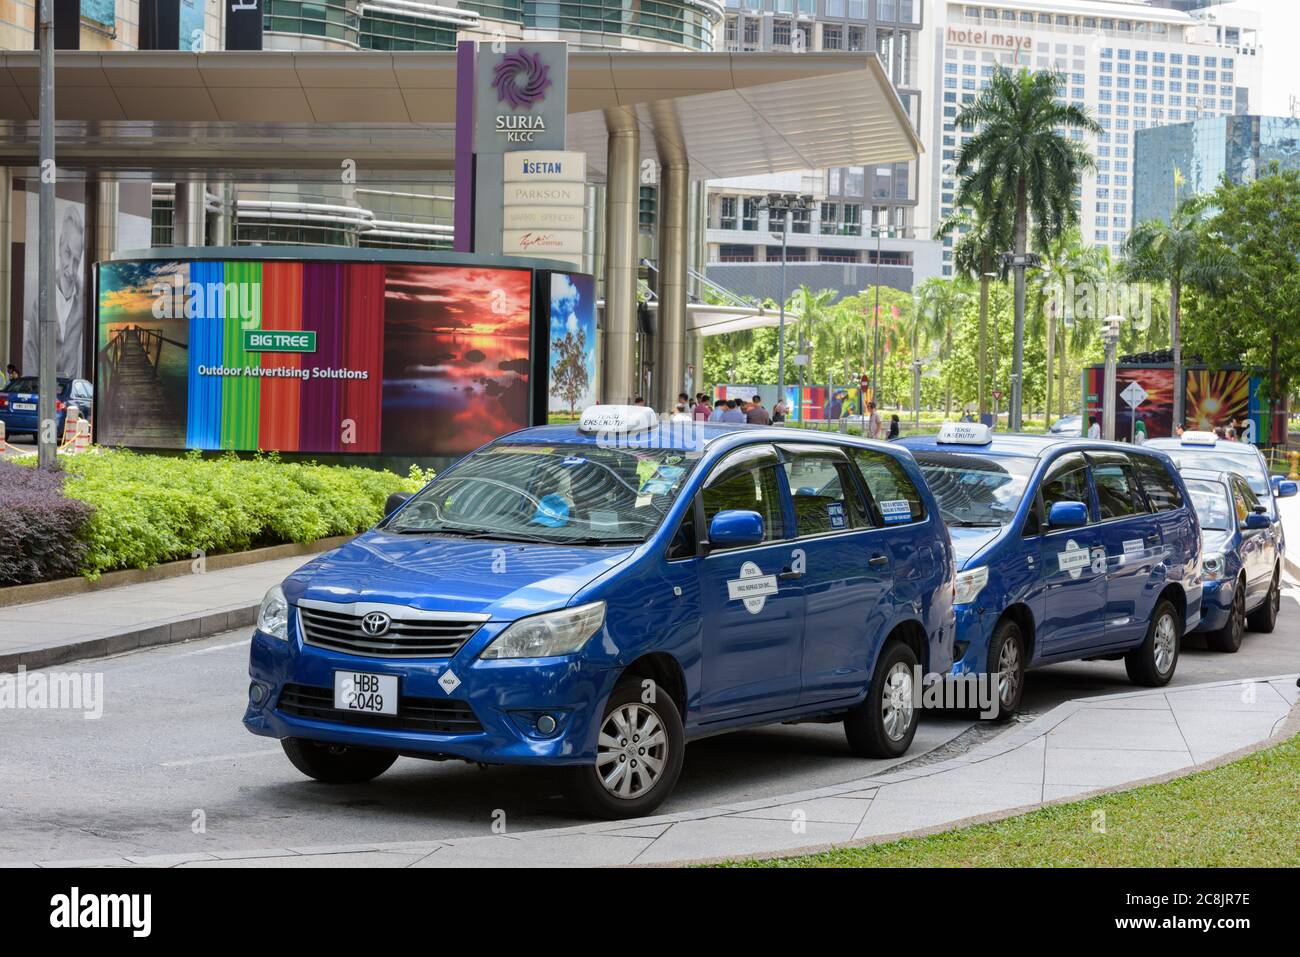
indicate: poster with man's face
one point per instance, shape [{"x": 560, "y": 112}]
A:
[{"x": 68, "y": 289}]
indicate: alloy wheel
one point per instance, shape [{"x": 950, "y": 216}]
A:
[
  {"x": 1166, "y": 643},
  {"x": 1008, "y": 671},
  {"x": 632, "y": 751},
  {"x": 896, "y": 701}
]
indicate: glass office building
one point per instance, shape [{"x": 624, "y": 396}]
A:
[{"x": 1185, "y": 159}]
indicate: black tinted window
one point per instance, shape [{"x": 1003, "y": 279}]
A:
[
  {"x": 747, "y": 481},
  {"x": 1067, "y": 482},
  {"x": 825, "y": 496},
  {"x": 1160, "y": 487},
  {"x": 1117, "y": 490},
  {"x": 896, "y": 499}
]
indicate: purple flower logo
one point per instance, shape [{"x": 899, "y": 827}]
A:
[{"x": 521, "y": 79}]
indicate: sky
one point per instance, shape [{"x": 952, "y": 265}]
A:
[{"x": 1279, "y": 31}]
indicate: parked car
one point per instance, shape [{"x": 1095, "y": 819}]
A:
[
  {"x": 1241, "y": 564},
  {"x": 20, "y": 398},
  {"x": 1067, "y": 425},
  {"x": 593, "y": 596},
  {"x": 1203, "y": 450},
  {"x": 1066, "y": 549}
]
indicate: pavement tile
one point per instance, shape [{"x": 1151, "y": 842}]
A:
[
  {"x": 961, "y": 788},
  {"x": 1286, "y": 687},
  {"x": 830, "y": 810},
  {"x": 170, "y": 860},
  {"x": 1244, "y": 696},
  {"x": 360, "y": 859},
  {"x": 901, "y": 816},
  {"x": 252, "y": 854},
  {"x": 580, "y": 850},
  {"x": 1136, "y": 730},
  {"x": 1104, "y": 767},
  {"x": 731, "y": 836}
]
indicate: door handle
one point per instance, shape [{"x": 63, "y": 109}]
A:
[
  {"x": 788, "y": 574},
  {"x": 878, "y": 561}
]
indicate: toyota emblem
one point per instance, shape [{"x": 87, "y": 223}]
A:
[{"x": 375, "y": 624}]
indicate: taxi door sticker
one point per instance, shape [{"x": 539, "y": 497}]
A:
[
  {"x": 1073, "y": 558},
  {"x": 895, "y": 511},
  {"x": 835, "y": 511},
  {"x": 752, "y": 587},
  {"x": 1134, "y": 549}
]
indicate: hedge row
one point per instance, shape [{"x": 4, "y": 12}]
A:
[
  {"x": 42, "y": 533},
  {"x": 142, "y": 510}
]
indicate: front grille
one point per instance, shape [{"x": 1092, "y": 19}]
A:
[
  {"x": 410, "y": 635},
  {"x": 430, "y": 715}
]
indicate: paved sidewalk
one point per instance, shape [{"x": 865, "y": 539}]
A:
[
  {"x": 1080, "y": 747},
  {"x": 108, "y": 622}
]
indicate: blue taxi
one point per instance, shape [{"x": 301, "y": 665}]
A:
[
  {"x": 1241, "y": 563},
  {"x": 1066, "y": 549},
  {"x": 593, "y": 596}
]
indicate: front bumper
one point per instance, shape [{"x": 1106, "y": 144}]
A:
[
  {"x": 1216, "y": 604},
  {"x": 506, "y": 697},
  {"x": 974, "y": 632}
]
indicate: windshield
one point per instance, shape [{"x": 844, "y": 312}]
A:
[
  {"x": 30, "y": 384},
  {"x": 558, "y": 494},
  {"x": 1210, "y": 499},
  {"x": 1245, "y": 463},
  {"x": 973, "y": 490}
]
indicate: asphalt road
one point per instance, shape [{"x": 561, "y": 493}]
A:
[{"x": 170, "y": 753}]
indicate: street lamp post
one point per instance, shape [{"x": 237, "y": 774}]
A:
[
  {"x": 47, "y": 319},
  {"x": 1110, "y": 338},
  {"x": 1019, "y": 264},
  {"x": 875, "y": 326},
  {"x": 783, "y": 204}
]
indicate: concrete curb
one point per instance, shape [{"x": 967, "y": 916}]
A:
[
  {"x": 165, "y": 633},
  {"x": 67, "y": 587}
]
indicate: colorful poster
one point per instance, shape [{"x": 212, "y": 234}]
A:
[
  {"x": 311, "y": 356},
  {"x": 1154, "y": 412},
  {"x": 572, "y": 385}
]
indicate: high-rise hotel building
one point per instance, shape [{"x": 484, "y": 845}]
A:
[{"x": 1132, "y": 65}]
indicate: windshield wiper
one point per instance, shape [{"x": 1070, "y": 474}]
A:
[
  {"x": 968, "y": 523},
  {"x": 597, "y": 540},
  {"x": 482, "y": 535}
]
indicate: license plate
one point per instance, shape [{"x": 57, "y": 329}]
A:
[
  {"x": 24, "y": 406},
  {"x": 359, "y": 691}
]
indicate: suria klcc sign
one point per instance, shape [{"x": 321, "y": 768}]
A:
[{"x": 520, "y": 81}]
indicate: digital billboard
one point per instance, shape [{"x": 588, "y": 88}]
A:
[
  {"x": 572, "y": 384},
  {"x": 1153, "y": 416},
  {"x": 312, "y": 356}
]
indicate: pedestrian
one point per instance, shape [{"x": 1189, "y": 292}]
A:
[
  {"x": 681, "y": 413},
  {"x": 719, "y": 407},
  {"x": 701, "y": 407},
  {"x": 732, "y": 413},
  {"x": 755, "y": 414},
  {"x": 11, "y": 374},
  {"x": 893, "y": 428},
  {"x": 1094, "y": 430},
  {"x": 778, "y": 412},
  {"x": 639, "y": 400},
  {"x": 874, "y": 424}
]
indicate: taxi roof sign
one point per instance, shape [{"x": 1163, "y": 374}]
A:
[
  {"x": 1199, "y": 438},
  {"x": 965, "y": 433},
  {"x": 618, "y": 418}
]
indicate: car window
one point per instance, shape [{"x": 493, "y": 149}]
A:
[
  {"x": 1251, "y": 499},
  {"x": 1159, "y": 485},
  {"x": 1239, "y": 502},
  {"x": 1118, "y": 494},
  {"x": 893, "y": 494},
  {"x": 1214, "y": 509},
  {"x": 1245, "y": 463},
  {"x": 685, "y": 538},
  {"x": 976, "y": 490},
  {"x": 747, "y": 480},
  {"x": 1067, "y": 481},
  {"x": 825, "y": 495}
]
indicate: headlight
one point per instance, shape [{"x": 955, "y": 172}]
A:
[
  {"x": 545, "y": 636},
  {"x": 1212, "y": 565},
  {"x": 970, "y": 583},
  {"x": 273, "y": 616}
]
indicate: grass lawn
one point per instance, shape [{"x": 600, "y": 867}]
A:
[{"x": 1244, "y": 814}]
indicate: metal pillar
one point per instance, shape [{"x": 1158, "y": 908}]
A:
[
  {"x": 189, "y": 216},
  {"x": 1110, "y": 337},
  {"x": 47, "y": 441},
  {"x": 104, "y": 194},
  {"x": 672, "y": 241},
  {"x": 621, "y": 217},
  {"x": 6, "y": 237},
  {"x": 223, "y": 220}
]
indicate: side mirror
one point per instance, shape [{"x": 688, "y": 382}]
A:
[
  {"x": 1285, "y": 488},
  {"x": 1067, "y": 515},
  {"x": 394, "y": 502},
  {"x": 1255, "y": 521},
  {"x": 735, "y": 528}
]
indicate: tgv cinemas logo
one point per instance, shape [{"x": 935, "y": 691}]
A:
[{"x": 988, "y": 38}]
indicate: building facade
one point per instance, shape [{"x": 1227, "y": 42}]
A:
[
  {"x": 1133, "y": 66},
  {"x": 1187, "y": 159},
  {"x": 860, "y": 216}
]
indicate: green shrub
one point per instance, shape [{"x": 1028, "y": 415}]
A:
[{"x": 150, "y": 509}]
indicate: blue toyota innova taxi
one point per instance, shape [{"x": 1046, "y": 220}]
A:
[
  {"x": 594, "y": 596},
  {"x": 1066, "y": 549}
]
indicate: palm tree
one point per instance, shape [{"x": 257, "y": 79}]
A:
[
  {"x": 982, "y": 236},
  {"x": 1176, "y": 251},
  {"x": 1065, "y": 260},
  {"x": 1021, "y": 154},
  {"x": 940, "y": 301}
]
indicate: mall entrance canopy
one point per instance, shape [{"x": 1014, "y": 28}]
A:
[{"x": 297, "y": 116}]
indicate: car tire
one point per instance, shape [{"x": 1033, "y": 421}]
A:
[
  {"x": 600, "y": 788},
  {"x": 1264, "y": 618},
  {"x": 1228, "y": 638},
  {"x": 883, "y": 725},
  {"x": 1007, "y": 666},
  {"x": 1152, "y": 663},
  {"x": 337, "y": 763}
]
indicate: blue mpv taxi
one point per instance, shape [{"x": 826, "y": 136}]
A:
[
  {"x": 1066, "y": 549},
  {"x": 594, "y": 596}
]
